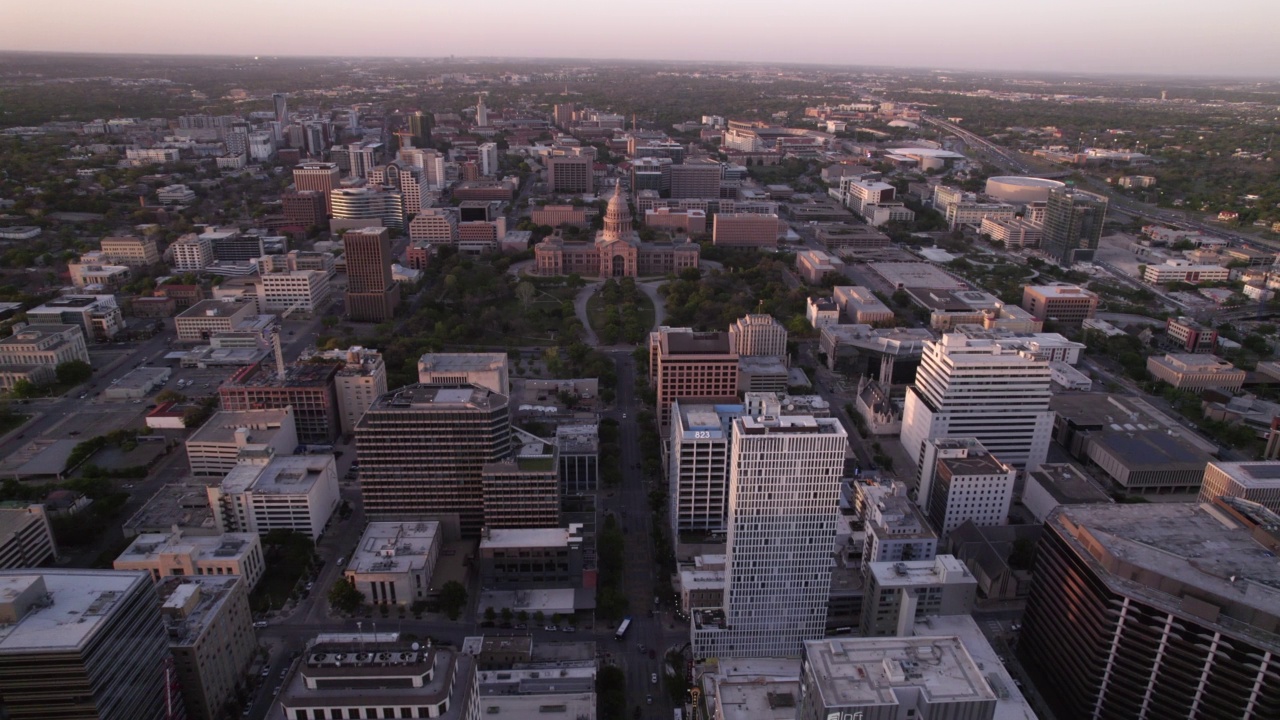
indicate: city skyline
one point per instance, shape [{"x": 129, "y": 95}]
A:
[{"x": 992, "y": 35}]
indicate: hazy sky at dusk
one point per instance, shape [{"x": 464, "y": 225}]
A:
[{"x": 1230, "y": 37}]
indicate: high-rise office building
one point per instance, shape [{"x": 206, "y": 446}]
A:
[
  {"x": 83, "y": 644},
  {"x": 758, "y": 336},
  {"x": 698, "y": 465},
  {"x": 377, "y": 205},
  {"x": 696, "y": 178},
  {"x": 523, "y": 491},
  {"x": 423, "y": 449},
  {"x": 482, "y": 112},
  {"x": 1158, "y": 610},
  {"x": 570, "y": 173},
  {"x": 693, "y": 365},
  {"x": 304, "y": 208},
  {"x": 420, "y": 128},
  {"x": 968, "y": 387},
  {"x": 281, "y": 107},
  {"x": 322, "y": 177},
  {"x": 372, "y": 294},
  {"x": 488, "y": 159},
  {"x": 1073, "y": 225},
  {"x": 784, "y": 485}
]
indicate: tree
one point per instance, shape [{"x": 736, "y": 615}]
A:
[
  {"x": 538, "y": 617},
  {"x": 611, "y": 693},
  {"x": 174, "y": 396},
  {"x": 453, "y": 596},
  {"x": 24, "y": 388},
  {"x": 506, "y": 615},
  {"x": 489, "y": 614},
  {"x": 525, "y": 291},
  {"x": 344, "y": 596}
]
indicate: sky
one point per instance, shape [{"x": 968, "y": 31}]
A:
[{"x": 1168, "y": 37}]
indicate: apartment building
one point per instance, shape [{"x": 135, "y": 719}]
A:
[
  {"x": 784, "y": 474},
  {"x": 191, "y": 253}
]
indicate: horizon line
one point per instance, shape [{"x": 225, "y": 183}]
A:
[{"x": 1132, "y": 74}]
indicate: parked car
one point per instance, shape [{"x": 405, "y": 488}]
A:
[{"x": 653, "y": 678}]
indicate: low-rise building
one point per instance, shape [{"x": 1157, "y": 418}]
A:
[
  {"x": 821, "y": 312},
  {"x": 368, "y": 675},
  {"x": 1148, "y": 462},
  {"x": 44, "y": 345},
  {"x": 1014, "y": 234},
  {"x": 214, "y": 448},
  {"x": 201, "y": 321},
  {"x": 547, "y": 690},
  {"x": 1185, "y": 271},
  {"x": 1189, "y": 371},
  {"x": 487, "y": 370},
  {"x": 394, "y": 562},
  {"x": 211, "y": 638},
  {"x": 265, "y": 492},
  {"x": 1061, "y": 303},
  {"x": 861, "y": 306},
  {"x": 813, "y": 265},
  {"x": 1257, "y": 482},
  {"x": 1190, "y": 336},
  {"x": 98, "y": 315},
  {"x": 900, "y": 593},
  {"x": 175, "y": 195},
  {"x": 531, "y": 558},
  {"x": 176, "y": 553},
  {"x": 845, "y": 678}
]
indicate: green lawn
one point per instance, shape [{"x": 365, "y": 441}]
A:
[{"x": 625, "y": 317}]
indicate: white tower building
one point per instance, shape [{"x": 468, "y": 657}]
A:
[
  {"x": 968, "y": 387},
  {"x": 784, "y": 483}
]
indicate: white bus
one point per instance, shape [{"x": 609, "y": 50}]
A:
[{"x": 622, "y": 629}]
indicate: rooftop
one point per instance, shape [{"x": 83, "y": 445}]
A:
[
  {"x": 190, "y": 604},
  {"x": 495, "y": 538},
  {"x": 184, "y": 504},
  {"x": 281, "y": 475},
  {"x": 1251, "y": 475},
  {"x": 1187, "y": 558},
  {"x": 215, "y": 308},
  {"x": 1010, "y": 704},
  {"x": 1105, "y": 411},
  {"x": 150, "y": 546},
  {"x": 422, "y": 396},
  {"x": 31, "y": 334},
  {"x": 221, "y": 427},
  {"x": 1149, "y": 450},
  {"x": 1068, "y": 484},
  {"x": 866, "y": 672},
  {"x": 295, "y": 376},
  {"x": 393, "y": 547},
  {"x": 78, "y": 602},
  {"x": 461, "y": 362},
  {"x": 696, "y": 343},
  {"x": 942, "y": 569},
  {"x": 916, "y": 275}
]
